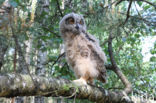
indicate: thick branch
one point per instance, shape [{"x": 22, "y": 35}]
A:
[
  {"x": 123, "y": 78},
  {"x": 22, "y": 85}
]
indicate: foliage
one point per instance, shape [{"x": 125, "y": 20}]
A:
[{"x": 40, "y": 22}]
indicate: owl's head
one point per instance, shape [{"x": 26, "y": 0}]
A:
[{"x": 72, "y": 23}]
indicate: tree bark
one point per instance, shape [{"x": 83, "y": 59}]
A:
[
  {"x": 3, "y": 49},
  {"x": 12, "y": 85},
  {"x": 40, "y": 70}
]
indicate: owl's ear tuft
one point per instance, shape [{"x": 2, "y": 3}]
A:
[{"x": 82, "y": 22}]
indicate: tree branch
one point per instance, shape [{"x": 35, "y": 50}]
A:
[
  {"x": 140, "y": 18},
  {"x": 119, "y": 2},
  {"x": 58, "y": 5},
  {"x": 22, "y": 85},
  {"x": 148, "y": 2},
  {"x": 128, "y": 11},
  {"x": 128, "y": 86},
  {"x": 60, "y": 56}
]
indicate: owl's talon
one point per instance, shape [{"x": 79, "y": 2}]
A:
[{"x": 80, "y": 82}]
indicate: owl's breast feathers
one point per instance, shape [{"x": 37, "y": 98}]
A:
[
  {"x": 78, "y": 46},
  {"x": 84, "y": 56}
]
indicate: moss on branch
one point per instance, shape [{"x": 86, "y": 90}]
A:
[{"x": 12, "y": 85}]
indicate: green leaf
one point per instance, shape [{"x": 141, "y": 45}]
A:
[
  {"x": 153, "y": 59},
  {"x": 139, "y": 3},
  {"x": 43, "y": 37},
  {"x": 152, "y": 51},
  {"x": 137, "y": 83},
  {"x": 146, "y": 7}
]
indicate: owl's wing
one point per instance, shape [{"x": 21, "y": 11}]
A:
[
  {"x": 99, "y": 56},
  {"x": 92, "y": 38},
  {"x": 96, "y": 47}
]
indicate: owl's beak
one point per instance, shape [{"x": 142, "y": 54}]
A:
[{"x": 77, "y": 26}]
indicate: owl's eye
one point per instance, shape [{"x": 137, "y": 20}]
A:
[
  {"x": 70, "y": 20},
  {"x": 81, "y": 22}
]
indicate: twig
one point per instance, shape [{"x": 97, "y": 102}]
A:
[
  {"x": 58, "y": 5},
  {"x": 15, "y": 55},
  {"x": 46, "y": 28},
  {"x": 106, "y": 41},
  {"x": 119, "y": 2},
  {"x": 61, "y": 55},
  {"x": 137, "y": 10},
  {"x": 128, "y": 12},
  {"x": 110, "y": 4},
  {"x": 149, "y": 3}
]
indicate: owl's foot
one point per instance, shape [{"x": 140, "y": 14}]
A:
[{"x": 80, "y": 82}]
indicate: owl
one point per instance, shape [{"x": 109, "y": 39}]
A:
[{"x": 83, "y": 53}]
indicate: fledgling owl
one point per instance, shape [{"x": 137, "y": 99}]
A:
[{"x": 83, "y": 53}]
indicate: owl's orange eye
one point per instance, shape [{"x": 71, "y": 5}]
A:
[
  {"x": 71, "y": 21},
  {"x": 81, "y": 22}
]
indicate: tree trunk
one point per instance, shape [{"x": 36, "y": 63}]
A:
[
  {"x": 41, "y": 58},
  {"x": 3, "y": 49}
]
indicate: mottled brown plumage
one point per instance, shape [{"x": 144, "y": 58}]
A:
[{"x": 83, "y": 52}]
